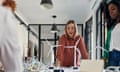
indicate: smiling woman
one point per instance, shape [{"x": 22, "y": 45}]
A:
[{"x": 65, "y": 56}]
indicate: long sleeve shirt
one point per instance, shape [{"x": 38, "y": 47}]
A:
[
  {"x": 66, "y": 55},
  {"x": 115, "y": 38},
  {"x": 10, "y": 51}
]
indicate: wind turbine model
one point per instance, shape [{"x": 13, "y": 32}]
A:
[
  {"x": 51, "y": 51},
  {"x": 98, "y": 48},
  {"x": 75, "y": 50}
]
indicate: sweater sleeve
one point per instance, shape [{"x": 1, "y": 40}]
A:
[
  {"x": 83, "y": 50},
  {"x": 60, "y": 49}
]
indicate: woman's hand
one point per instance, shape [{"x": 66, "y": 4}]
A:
[
  {"x": 58, "y": 62},
  {"x": 105, "y": 60}
]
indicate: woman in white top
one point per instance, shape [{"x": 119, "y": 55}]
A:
[
  {"x": 114, "y": 13},
  {"x": 10, "y": 52}
]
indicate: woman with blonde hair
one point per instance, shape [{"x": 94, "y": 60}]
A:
[{"x": 65, "y": 56}]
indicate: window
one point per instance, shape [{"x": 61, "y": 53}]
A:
[
  {"x": 100, "y": 30},
  {"x": 42, "y": 33},
  {"x": 33, "y": 41},
  {"x": 88, "y": 36}
]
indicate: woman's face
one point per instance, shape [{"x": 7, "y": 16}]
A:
[
  {"x": 113, "y": 11},
  {"x": 70, "y": 29}
]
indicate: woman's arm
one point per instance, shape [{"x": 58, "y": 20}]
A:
[
  {"x": 83, "y": 50},
  {"x": 60, "y": 50}
]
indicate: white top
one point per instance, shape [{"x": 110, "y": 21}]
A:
[
  {"x": 10, "y": 51},
  {"x": 115, "y": 38}
]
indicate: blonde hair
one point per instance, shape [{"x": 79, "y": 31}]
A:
[{"x": 11, "y": 4}]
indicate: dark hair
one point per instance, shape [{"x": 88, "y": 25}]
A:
[{"x": 110, "y": 22}]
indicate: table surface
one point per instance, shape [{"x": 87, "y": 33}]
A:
[{"x": 85, "y": 66}]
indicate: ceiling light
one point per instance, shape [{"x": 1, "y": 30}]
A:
[
  {"x": 54, "y": 27},
  {"x": 46, "y": 4}
]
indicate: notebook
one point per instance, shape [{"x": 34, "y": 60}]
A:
[{"x": 92, "y": 66}]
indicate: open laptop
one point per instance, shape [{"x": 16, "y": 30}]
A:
[{"x": 92, "y": 66}]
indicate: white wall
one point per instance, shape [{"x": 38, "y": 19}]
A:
[{"x": 23, "y": 38}]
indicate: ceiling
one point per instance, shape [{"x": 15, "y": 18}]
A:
[{"x": 33, "y": 13}]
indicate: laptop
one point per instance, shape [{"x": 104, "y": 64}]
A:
[{"x": 91, "y": 66}]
